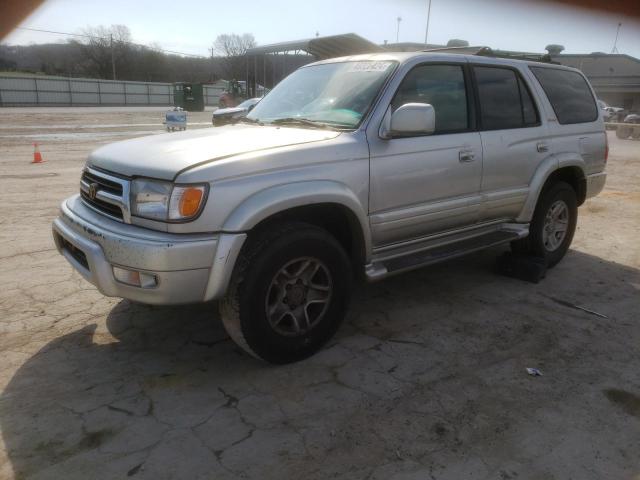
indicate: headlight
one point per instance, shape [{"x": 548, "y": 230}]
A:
[{"x": 165, "y": 201}]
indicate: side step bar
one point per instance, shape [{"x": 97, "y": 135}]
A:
[{"x": 387, "y": 265}]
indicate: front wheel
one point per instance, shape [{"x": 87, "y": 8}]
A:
[
  {"x": 288, "y": 294},
  {"x": 553, "y": 224}
]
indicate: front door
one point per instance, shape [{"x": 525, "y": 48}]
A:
[{"x": 426, "y": 184}]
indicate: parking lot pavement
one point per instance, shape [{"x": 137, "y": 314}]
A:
[{"x": 426, "y": 379}]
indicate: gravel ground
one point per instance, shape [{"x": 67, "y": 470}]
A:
[{"x": 426, "y": 379}]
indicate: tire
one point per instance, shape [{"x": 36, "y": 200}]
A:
[
  {"x": 263, "y": 279},
  {"x": 560, "y": 203}
]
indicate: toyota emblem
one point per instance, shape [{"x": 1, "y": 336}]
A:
[{"x": 93, "y": 190}]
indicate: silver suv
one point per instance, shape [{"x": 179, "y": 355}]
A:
[{"x": 371, "y": 165}]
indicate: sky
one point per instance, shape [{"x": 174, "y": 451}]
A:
[{"x": 192, "y": 26}]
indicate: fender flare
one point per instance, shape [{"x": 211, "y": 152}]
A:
[
  {"x": 550, "y": 165},
  {"x": 272, "y": 200}
]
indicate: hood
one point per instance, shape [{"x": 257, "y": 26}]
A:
[
  {"x": 228, "y": 111},
  {"x": 164, "y": 156}
]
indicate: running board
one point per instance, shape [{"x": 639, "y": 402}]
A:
[{"x": 434, "y": 252}]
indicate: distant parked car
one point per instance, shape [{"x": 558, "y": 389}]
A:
[
  {"x": 632, "y": 118},
  {"x": 223, "y": 116},
  {"x": 624, "y": 132},
  {"x": 605, "y": 110},
  {"x": 616, "y": 114}
]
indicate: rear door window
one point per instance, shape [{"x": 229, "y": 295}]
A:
[
  {"x": 443, "y": 87},
  {"x": 569, "y": 95},
  {"x": 505, "y": 101}
]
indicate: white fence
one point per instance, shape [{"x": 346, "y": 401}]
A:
[{"x": 62, "y": 91}]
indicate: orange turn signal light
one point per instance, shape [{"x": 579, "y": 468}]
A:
[{"x": 190, "y": 201}]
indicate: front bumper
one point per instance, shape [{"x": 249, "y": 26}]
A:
[{"x": 189, "y": 268}]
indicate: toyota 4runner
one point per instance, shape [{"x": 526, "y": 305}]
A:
[{"x": 371, "y": 164}]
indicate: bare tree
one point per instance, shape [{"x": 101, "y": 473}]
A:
[
  {"x": 232, "y": 48},
  {"x": 105, "y": 48}
]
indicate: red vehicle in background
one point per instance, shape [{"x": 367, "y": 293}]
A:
[{"x": 233, "y": 95}]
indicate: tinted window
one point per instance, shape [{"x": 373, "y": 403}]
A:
[
  {"x": 443, "y": 87},
  {"x": 505, "y": 102},
  {"x": 568, "y": 93}
]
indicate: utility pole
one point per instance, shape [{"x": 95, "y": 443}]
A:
[
  {"x": 426, "y": 33},
  {"x": 113, "y": 58},
  {"x": 399, "y": 19},
  {"x": 211, "y": 50},
  {"x": 615, "y": 43}
]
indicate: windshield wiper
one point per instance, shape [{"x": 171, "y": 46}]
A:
[
  {"x": 302, "y": 122},
  {"x": 253, "y": 121}
]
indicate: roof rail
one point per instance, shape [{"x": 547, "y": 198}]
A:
[{"x": 488, "y": 52}]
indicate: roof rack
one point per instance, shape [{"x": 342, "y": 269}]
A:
[{"x": 489, "y": 52}]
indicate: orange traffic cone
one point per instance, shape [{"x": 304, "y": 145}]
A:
[{"x": 37, "y": 156}]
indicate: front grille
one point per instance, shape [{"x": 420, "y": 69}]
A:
[
  {"x": 103, "y": 206},
  {"x": 105, "y": 184},
  {"x": 110, "y": 193}
]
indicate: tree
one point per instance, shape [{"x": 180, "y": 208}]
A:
[
  {"x": 100, "y": 44},
  {"x": 232, "y": 48},
  {"x": 456, "y": 42}
]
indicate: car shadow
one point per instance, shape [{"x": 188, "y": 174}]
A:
[{"x": 163, "y": 392}]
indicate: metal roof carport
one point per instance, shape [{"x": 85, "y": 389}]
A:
[{"x": 319, "y": 48}]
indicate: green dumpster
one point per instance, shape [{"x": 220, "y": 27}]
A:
[{"x": 189, "y": 96}]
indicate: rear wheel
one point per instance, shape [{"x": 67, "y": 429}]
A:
[
  {"x": 553, "y": 224},
  {"x": 288, "y": 294}
]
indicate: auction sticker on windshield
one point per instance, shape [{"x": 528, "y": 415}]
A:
[{"x": 369, "y": 66}]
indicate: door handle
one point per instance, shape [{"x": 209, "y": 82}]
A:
[
  {"x": 466, "y": 156},
  {"x": 542, "y": 147}
]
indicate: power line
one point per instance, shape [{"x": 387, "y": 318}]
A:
[{"x": 106, "y": 38}]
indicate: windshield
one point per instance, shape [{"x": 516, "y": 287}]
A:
[{"x": 334, "y": 94}]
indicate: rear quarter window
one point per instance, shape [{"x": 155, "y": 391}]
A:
[{"x": 569, "y": 95}]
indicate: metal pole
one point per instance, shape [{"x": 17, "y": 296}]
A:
[
  {"x": 426, "y": 33},
  {"x": 255, "y": 75},
  {"x": 264, "y": 72},
  {"x": 211, "y": 49},
  {"x": 615, "y": 43},
  {"x": 398, "y": 29},
  {"x": 113, "y": 58}
]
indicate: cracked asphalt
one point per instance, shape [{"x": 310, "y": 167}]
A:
[{"x": 425, "y": 380}]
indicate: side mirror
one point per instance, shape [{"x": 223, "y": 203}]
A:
[
  {"x": 413, "y": 119},
  {"x": 250, "y": 107}
]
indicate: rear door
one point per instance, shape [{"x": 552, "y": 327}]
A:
[
  {"x": 514, "y": 139},
  {"x": 578, "y": 126}
]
